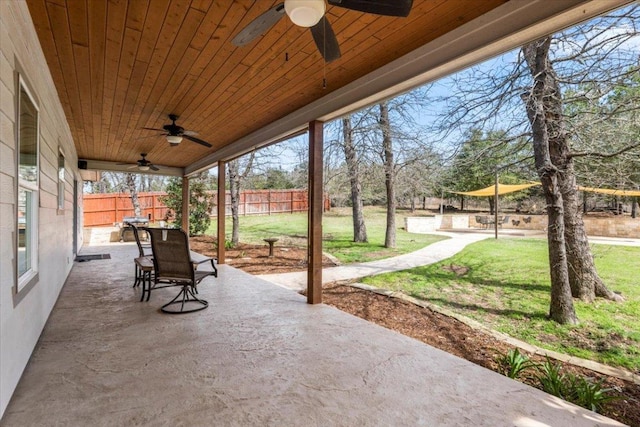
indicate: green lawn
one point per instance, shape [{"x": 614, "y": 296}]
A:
[
  {"x": 504, "y": 284},
  {"x": 337, "y": 227}
]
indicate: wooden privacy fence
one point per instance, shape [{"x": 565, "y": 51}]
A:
[{"x": 107, "y": 209}]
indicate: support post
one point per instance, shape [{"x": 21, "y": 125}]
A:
[
  {"x": 314, "y": 271},
  {"x": 495, "y": 207},
  {"x": 222, "y": 208},
  {"x": 185, "y": 204}
]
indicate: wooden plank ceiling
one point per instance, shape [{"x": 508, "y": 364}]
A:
[{"x": 123, "y": 65}]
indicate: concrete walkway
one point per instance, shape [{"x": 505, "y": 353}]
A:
[{"x": 425, "y": 256}]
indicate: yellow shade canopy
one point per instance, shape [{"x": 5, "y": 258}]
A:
[
  {"x": 623, "y": 193},
  {"x": 502, "y": 189},
  {"x": 509, "y": 188}
]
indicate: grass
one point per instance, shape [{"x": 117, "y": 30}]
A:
[
  {"x": 337, "y": 226},
  {"x": 504, "y": 284}
]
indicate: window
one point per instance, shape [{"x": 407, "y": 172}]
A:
[
  {"x": 60, "y": 181},
  {"x": 27, "y": 210}
]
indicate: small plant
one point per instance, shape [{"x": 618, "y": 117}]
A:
[
  {"x": 551, "y": 379},
  {"x": 587, "y": 393},
  {"x": 582, "y": 391},
  {"x": 513, "y": 364}
]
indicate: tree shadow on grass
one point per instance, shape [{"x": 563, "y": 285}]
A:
[
  {"x": 428, "y": 273},
  {"x": 491, "y": 310}
]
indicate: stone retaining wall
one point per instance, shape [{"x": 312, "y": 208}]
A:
[{"x": 613, "y": 226}]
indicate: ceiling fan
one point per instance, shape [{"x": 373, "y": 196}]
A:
[
  {"x": 143, "y": 164},
  {"x": 310, "y": 14},
  {"x": 175, "y": 133}
]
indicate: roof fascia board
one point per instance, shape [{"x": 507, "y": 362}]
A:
[{"x": 505, "y": 27}]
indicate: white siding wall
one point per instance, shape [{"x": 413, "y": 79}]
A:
[{"x": 23, "y": 318}]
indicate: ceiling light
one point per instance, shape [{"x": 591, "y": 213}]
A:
[
  {"x": 143, "y": 167},
  {"x": 304, "y": 13},
  {"x": 174, "y": 139}
]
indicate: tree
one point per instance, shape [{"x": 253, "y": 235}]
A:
[
  {"x": 389, "y": 175},
  {"x": 593, "y": 54},
  {"x": 235, "y": 181},
  {"x": 400, "y": 143},
  {"x": 199, "y": 203},
  {"x": 130, "y": 180},
  {"x": 550, "y": 148},
  {"x": 351, "y": 160},
  {"x": 481, "y": 155}
]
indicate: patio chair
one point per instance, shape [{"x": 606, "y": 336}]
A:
[
  {"x": 174, "y": 267},
  {"x": 483, "y": 220},
  {"x": 144, "y": 250}
]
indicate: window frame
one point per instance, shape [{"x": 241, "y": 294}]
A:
[
  {"x": 25, "y": 280},
  {"x": 62, "y": 172}
]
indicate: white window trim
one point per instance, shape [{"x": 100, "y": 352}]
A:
[
  {"x": 28, "y": 277},
  {"x": 61, "y": 181}
]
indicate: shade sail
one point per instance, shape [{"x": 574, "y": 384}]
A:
[
  {"x": 510, "y": 188},
  {"x": 623, "y": 193},
  {"x": 502, "y": 189}
]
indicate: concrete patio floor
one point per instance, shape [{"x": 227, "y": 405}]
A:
[{"x": 259, "y": 355}]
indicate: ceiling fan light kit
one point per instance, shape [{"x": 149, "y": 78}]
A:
[
  {"x": 311, "y": 14},
  {"x": 143, "y": 167},
  {"x": 175, "y": 133},
  {"x": 174, "y": 139},
  {"x": 304, "y": 13}
]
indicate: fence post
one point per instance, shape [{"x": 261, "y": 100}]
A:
[
  {"x": 269, "y": 202},
  {"x": 115, "y": 203},
  {"x": 153, "y": 208},
  {"x": 291, "y": 201}
]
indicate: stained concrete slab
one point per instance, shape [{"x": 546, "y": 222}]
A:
[{"x": 259, "y": 355}]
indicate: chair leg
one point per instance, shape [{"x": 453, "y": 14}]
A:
[
  {"x": 185, "y": 297},
  {"x": 137, "y": 281}
]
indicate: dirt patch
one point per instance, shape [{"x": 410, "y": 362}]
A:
[
  {"x": 255, "y": 259},
  {"x": 428, "y": 326},
  {"x": 458, "y": 270}
]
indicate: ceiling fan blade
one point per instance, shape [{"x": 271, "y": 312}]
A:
[
  {"x": 153, "y": 168},
  {"x": 259, "y": 26},
  {"x": 198, "y": 140},
  {"x": 159, "y": 130},
  {"x": 132, "y": 166},
  {"x": 378, "y": 7},
  {"x": 326, "y": 40}
]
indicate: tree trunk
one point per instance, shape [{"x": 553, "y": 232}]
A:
[
  {"x": 544, "y": 87},
  {"x": 234, "y": 190},
  {"x": 351, "y": 158},
  {"x": 585, "y": 282},
  {"x": 133, "y": 191},
  {"x": 583, "y": 277},
  {"x": 389, "y": 176}
]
